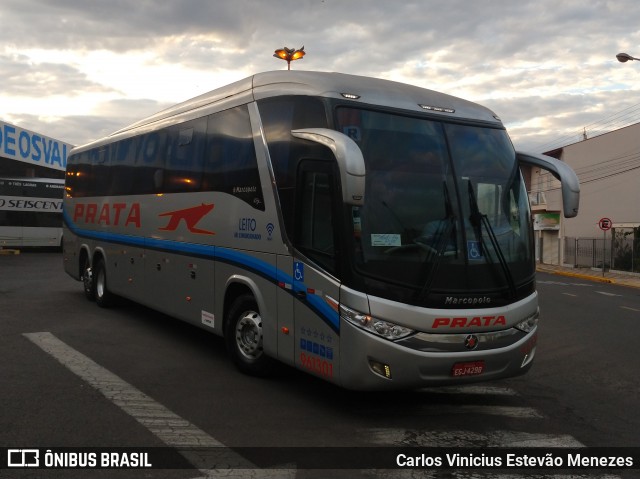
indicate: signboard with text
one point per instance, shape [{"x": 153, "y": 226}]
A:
[{"x": 23, "y": 145}]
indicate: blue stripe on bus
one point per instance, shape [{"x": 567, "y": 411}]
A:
[{"x": 264, "y": 269}]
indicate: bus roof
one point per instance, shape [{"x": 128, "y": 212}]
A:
[{"x": 370, "y": 91}]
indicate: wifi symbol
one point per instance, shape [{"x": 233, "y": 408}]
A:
[{"x": 270, "y": 228}]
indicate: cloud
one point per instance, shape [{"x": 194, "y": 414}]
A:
[
  {"x": 545, "y": 67},
  {"x": 80, "y": 129},
  {"x": 23, "y": 77}
]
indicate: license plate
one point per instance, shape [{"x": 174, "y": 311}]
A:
[{"x": 472, "y": 368}]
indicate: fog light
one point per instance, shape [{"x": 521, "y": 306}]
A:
[{"x": 383, "y": 370}]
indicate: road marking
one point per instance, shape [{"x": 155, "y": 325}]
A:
[
  {"x": 630, "y": 309},
  {"x": 167, "y": 426},
  {"x": 484, "y": 390},
  {"x": 519, "y": 412},
  {"x": 572, "y": 295},
  {"x": 421, "y": 438},
  {"x": 607, "y": 294}
]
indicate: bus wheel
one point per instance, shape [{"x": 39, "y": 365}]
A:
[
  {"x": 87, "y": 280},
  {"x": 104, "y": 298},
  {"x": 244, "y": 337}
]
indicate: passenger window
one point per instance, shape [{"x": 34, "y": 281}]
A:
[
  {"x": 230, "y": 163},
  {"x": 185, "y": 152}
]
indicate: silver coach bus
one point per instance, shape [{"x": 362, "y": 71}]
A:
[{"x": 374, "y": 234}]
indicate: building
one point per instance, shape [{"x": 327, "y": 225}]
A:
[
  {"x": 608, "y": 167},
  {"x": 26, "y": 154},
  {"x": 32, "y": 171}
]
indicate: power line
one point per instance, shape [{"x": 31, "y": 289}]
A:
[
  {"x": 625, "y": 117},
  {"x": 590, "y": 173}
]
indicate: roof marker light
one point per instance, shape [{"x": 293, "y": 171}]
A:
[
  {"x": 436, "y": 108},
  {"x": 350, "y": 96}
]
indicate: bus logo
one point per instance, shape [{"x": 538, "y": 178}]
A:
[
  {"x": 23, "y": 458},
  {"x": 471, "y": 342},
  {"x": 191, "y": 217}
]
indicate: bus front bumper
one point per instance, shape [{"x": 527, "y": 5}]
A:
[{"x": 372, "y": 363}]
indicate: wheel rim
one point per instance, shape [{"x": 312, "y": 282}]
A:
[
  {"x": 249, "y": 335},
  {"x": 87, "y": 279}
]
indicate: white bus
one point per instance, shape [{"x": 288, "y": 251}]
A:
[
  {"x": 374, "y": 234},
  {"x": 31, "y": 212}
]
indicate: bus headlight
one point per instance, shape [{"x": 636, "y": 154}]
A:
[
  {"x": 379, "y": 327},
  {"x": 527, "y": 325}
]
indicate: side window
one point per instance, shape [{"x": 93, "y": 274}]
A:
[
  {"x": 80, "y": 176},
  {"x": 122, "y": 161},
  {"x": 100, "y": 159},
  {"x": 230, "y": 163},
  {"x": 315, "y": 226},
  {"x": 184, "y": 160},
  {"x": 150, "y": 162}
]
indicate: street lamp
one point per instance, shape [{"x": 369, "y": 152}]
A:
[
  {"x": 289, "y": 55},
  {"x": 625, "y": 57}
]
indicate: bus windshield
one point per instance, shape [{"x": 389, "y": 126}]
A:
[{"x": 446, "y": 209}]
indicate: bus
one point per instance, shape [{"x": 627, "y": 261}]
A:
[
  {"x": 31, "y": 212},
  {"x": 374, "y": 234}
]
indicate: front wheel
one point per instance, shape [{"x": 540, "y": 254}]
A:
[{"x": 244, "y": 337}]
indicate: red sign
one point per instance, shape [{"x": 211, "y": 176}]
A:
[{"x": 605, "y": 224}]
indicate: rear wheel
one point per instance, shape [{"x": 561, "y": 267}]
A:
[
  {"x": 104, "y": 298},
  {"x": 87, "y": 280},
  {"x": 244, "y": 337}
]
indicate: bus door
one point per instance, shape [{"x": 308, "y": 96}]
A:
[{"x": 314, "y": 269}]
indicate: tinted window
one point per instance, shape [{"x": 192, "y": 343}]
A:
[
  {"x": 315, "y": 219},
  {"x": 214, "y": 153},
  {"x": 279, "y": 116},
  {"x": 185, "y": 152},
  {"x": 230, "y": 163}
]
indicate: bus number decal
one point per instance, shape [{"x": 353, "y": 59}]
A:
[{"x": 316, "y": 365}]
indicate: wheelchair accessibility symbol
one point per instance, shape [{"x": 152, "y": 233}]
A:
[
  {"x": 298, "y": 271},
  {"x": 474, "y": 250}
]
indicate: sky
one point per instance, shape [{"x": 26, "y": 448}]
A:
[{"x": 77, "y": 70}]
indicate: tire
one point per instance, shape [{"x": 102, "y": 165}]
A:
[
  {"x": 243, "y": 337},
  {"x": 87, "y": 281},
  {"x": 104, "y": 298}
]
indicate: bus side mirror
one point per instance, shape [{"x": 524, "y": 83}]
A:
[
  {"x": 563, "y": 172},
  {"x": 348, "y": 156}
]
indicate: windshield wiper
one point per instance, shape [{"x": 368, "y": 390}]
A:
[
  {"x": 477, "y": 220},
  {"x": 443, "y": 241}
]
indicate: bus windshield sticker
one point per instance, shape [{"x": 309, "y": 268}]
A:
[
  {"x": 379, "y": 239},
  {"x": 474, "y": 250}
]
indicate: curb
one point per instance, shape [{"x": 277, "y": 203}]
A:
[{"x": 577, "y": 275}]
